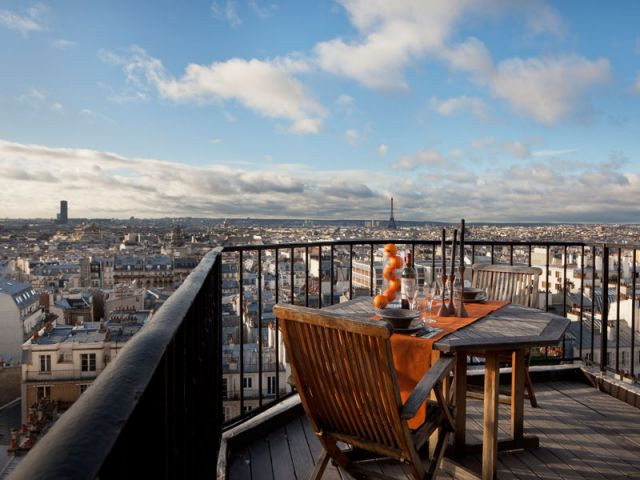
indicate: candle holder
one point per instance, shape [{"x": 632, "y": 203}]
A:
[
  {"x": 452, "y": 306},
  {"x": 444, "y": 309},
  {"x": 462, "y": 312}
]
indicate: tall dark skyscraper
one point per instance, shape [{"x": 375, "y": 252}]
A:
[{"x": 63, "y": 215}]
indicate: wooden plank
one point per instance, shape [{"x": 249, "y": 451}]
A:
[
  {"x": 261, "y": 468},
  {"x": 331, "y": 473},
  {"x": 281, "y": 461},
  {"x": 300, "y": 452},
  {"x": 240, "y": 466},
  {"x": 517, "y": 394},
  {"x": 490, "y": 418}
]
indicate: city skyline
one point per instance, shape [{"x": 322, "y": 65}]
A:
[{"x": 291, "y": 110}]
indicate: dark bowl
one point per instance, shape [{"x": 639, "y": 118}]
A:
[{"x": 398, "y": 317}]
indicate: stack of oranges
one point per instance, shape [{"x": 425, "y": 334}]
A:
[{"x": 389, "y": 274}]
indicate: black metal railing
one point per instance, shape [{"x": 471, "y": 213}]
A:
[
  {"x": 296, "y": 282},
  {"x": 166, "y": 389},
  {"x": 156, "y": 410}
]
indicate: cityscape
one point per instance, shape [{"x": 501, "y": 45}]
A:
[{"x": 217, "y": 216}]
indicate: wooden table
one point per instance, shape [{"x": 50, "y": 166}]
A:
[{"x": 512, "y": 329}]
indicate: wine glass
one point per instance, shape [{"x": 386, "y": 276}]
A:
[
  {"x": 429, "y": 292},
  {"x": 412, "y": 297}
]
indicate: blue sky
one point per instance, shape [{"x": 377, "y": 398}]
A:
[{"x": 496, "y": 110}]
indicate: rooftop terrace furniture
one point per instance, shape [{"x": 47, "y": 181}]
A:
[
  {"x": 517, "y": 284},
  {"x": 344, "y": 373}
]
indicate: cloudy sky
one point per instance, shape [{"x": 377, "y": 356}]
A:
[{"x": 496, "y": 111}]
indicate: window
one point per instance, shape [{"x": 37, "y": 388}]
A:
[
  {"x": 608, "y": 358},
  {"x": 83, "y": 387},
  {"x": 45, "y": 363},
  {"x": 624, "y": 358},
  {"x": 247, "y": 382},
  {"x": 88, "y": 362},
  {"x": 271, "y": 385},
  {"x": 225, "y": 391},
  {"x": 43, "y": 391}
]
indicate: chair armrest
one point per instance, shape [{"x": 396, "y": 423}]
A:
[{"x": 419, "y": 394}]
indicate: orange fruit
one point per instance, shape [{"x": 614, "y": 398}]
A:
[
  {"x": 390, "y": 294},
  {"x": 396, "y": 262},
  {"x": 380, "y": 301},
  {"x": 390, "y": 250},
  {"x": 389, "y": 273},
  {"x": 395, "y": 285}
]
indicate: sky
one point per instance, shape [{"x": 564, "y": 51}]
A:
[{"x": 494, "y": 110}]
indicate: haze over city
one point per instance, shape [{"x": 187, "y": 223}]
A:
[{"x": 495, "y": 111}]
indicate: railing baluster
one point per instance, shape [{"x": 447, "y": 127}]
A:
[
  {"x": 581, "y": 300},
  {"x": 605, "y": 308},
  {"x": 433, "y": 262},
  {"x": 564, "y": 297},
  {"x": 306, "y": 276},
  {"x": 260, "y": 328},
  {"x": 633, "y": 311},
  {"x": 511, "y": 254},
  {"x": 493, "y": 260},
  {"x": 618, "y": 310},
  {"x": 277, "y": 332},
  {"x": 332, "y": 272},
  {"x": 291, "y": 274},
  {"x": 593, "y": 299},
  {"x": 320, "y": 276},
  {"x": 241, "y": 309},
  {"x": 371, "y": 289},
  {"x": 529, "y": 258},
  {"x": 350, "y": 271}
]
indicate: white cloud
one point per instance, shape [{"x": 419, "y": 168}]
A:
[
  {"x": 92, "y": 116},
  {"x": 63, "y": 44},
  {"x": 420, "y": 159},
  {"x": 345, "y": 101},
  {"x": 226, "y": 11},
  {"x": 542, "y": 18},
  {"x": 30, "y": 21},
  {"x": 352, "y": 135},
  {"x": 553, "y": 153},
  {"x": 215, "y": 141},
  {"x": 383, "y": 149},
  {"x": 264, "y": 86},
  {"x": 516, "y": 149},
  {"x": 549, "y": 89},
  {"x": 393, "y": 35},
  {"x": 107, "y": 184},
  {"x": 454, "y": 105},
  {"x": 262, "y": 11},
  {"x": 38, "y": 99}
]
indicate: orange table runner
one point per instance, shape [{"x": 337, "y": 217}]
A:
[{"x": 413, "y": 356}]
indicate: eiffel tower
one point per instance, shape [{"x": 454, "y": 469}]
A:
[{"x": 392, "y": 222}]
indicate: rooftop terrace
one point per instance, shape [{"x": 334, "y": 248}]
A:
[{"x": 173, "y": 400}]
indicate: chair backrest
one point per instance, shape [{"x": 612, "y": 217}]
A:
[
  {"x": 515, "y": 283},
  {"x": 343, "y": 369}
]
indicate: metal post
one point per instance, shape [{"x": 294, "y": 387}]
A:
[
  {"x": 371, "y": 285},
  {"x": 332, "y": 270},
  {"x": 593, "y": 298},
  {"x": 241, "y": 309},
  {"x": 605, "y": 308},
  {"x": 581, "y": 299},
  {"x": 306, "y": 276},
  {"x": 618, "y": 310},
  {"x": 633, "y": 310},
  {"x": 350, "y": 271},
  {"x": 564, "y": 297},
  {"x": 277, "y": 253},
  {"x": 319, "y": 276},
  {"x": 291, "y": 274},
  {"x": 511, "y": 254},
  {"x": 260, "y": 327}
]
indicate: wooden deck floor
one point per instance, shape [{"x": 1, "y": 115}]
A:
[{"x": 584, "y": 434}]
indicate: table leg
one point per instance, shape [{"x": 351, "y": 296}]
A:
[
  {"x": 460, "y": 379},
  {"x": 490, "y": 420},
  {"x": 517, "y": 395}
]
